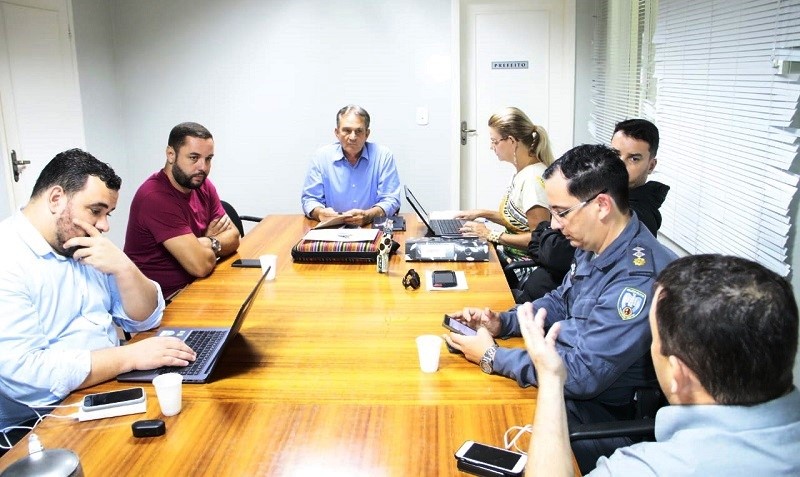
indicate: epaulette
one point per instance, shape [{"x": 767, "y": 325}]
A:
[{"x": 640, "y": 260}]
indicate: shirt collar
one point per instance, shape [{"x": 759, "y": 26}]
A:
[
  {"x": 32, "y": 238},
  {"x": 365, "y": 153},
  {"x": 610, "y": 255}
]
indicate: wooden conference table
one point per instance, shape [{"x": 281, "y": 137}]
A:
[{"x": 322, "y": 380}]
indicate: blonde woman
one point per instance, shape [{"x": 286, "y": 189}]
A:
[{"x": 517, "y": 140}]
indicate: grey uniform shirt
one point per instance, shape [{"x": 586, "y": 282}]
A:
[{"x": 603, "y": 306}]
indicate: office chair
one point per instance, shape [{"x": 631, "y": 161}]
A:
[
  {"x": 640, "y": 428},
  {"x": 237, "y": 219}
]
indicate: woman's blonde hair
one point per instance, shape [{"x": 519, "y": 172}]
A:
[{"x": 512, "y": 122}]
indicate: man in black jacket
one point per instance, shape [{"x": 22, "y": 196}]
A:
[{"x": 636, "y": 140}]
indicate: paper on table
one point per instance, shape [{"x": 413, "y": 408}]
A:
[
  {"x": 334, "y": 222},
  {"x": 342, "y": 235}
]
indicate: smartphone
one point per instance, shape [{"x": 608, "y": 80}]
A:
[
  {"x": 247, "y": 263},
  {"x": 444, "y": 278},
  {"x": 456, "y": 326},
  {"x": 492, "y": 458},
  {"x": 123, "y": 397}
]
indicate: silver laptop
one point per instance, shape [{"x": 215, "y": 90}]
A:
[
  {"x": 436, "y": 227},
  {"x": 208, "y": 343}
]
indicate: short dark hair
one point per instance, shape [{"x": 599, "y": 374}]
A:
[
  {"x": 355, "y": 109},
  {"x": 71, "y": 169},
  {"x": 177, "y": 137},
  {"x": 593, "y": 168},
  {"x": 733, "y": 322},
  {"x": 640, "y": 129}
]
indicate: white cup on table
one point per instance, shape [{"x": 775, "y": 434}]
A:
[
  {"x": 429, "y": 348},
  {"x": 169, "y": 390}
]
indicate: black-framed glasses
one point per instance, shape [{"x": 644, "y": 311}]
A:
[
  {"x": 497, "y": 141},
  {"x": 560, "y": 215},
  {"x": 411, "y": 280}
]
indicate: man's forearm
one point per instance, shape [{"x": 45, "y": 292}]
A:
[
  {"x": 229, "y": 240},
  {"x": 550, "y": 453},
  {"x": 138, "y": 294}
]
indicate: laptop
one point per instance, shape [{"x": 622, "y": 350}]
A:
[
  {"x": 436, "y": 227},
  {"x": 208, "y": 343}
]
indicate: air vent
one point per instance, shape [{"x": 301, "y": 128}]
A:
[{"x": 509, "y": 65}]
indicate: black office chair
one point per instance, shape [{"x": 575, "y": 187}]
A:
[
  {"x": 640, "y": 428},
  {"x": 237, "y": 219}
]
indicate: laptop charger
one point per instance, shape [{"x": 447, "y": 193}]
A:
[{"x": 136, "y": 408}]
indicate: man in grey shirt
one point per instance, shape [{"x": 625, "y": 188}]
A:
[{"x": 724, "y": 344}]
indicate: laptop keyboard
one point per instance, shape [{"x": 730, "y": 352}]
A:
[
  {"x": 447, "y": 226},
  {"x": 203, "y": 342}
]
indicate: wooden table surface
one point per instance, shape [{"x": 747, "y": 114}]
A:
[{"x": 322, "y": 380}]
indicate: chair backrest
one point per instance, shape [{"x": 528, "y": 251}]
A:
[{"x": 234, "y": 216}]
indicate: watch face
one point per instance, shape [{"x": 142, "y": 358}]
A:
[{"x": 486, "y": 367}]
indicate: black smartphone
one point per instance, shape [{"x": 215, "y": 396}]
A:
[
  {"x": 457, "y": 327},
  {"x": 123, "y": 397},
  {"x": 247, "y": 263},
  {"x": 444, "y": 278},
  {"x": 495, "y": 460}
]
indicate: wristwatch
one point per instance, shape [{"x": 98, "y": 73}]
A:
[
  {"x": 487, "y": 361},
  {"x": 215, "y": 245}
]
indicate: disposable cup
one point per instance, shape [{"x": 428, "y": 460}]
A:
[
  {"x": 429, "y": 348},
  {"x": 270, "y": 261},
  {"x": 169, "y": 392}
]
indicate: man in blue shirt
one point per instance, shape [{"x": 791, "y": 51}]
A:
[
  {"x": 353, "y": 178},
  {"x": 601, "y": 304},
  {"x": 724, "y": 344},
  {"x": 64, "y": 287}
]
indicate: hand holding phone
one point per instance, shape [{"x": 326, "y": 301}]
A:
[
  {"x": 123, "y": 397},
  {"x": 486, "y": 460},
  {"x": 456, "y": 326}
]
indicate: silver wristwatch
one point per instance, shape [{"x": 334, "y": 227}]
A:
[
  {"x": 215, "y": 245},
  {"x": 487, "y": 361}
]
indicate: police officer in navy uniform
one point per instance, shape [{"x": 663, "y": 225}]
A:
[{"x": 602, "y": 303}]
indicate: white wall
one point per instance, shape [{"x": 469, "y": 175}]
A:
[
  {"x": 266, "y": 77},
  {"x": 94, "y": 45},
  {"x": 584, "y": 36}
]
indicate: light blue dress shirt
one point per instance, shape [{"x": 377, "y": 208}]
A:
[
  {"x": 53, "y": 312},
  {"x": 743, "y": 441},
  {"x": 332, "y": 182}
]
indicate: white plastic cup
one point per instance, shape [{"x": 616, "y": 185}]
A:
[
  {"x": 429, "y": 348},
  {"x": 169, "y": 390},
  {"x": 270, "y": 261}
]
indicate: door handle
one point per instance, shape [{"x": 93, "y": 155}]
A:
[
  {"x": 15, "y": 165},
  {"x": 464, "y": 132}
]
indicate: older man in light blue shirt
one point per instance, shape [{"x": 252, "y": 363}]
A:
[
  {"x": 353, "y": 177},
  {"x": 64, "y": 286}
]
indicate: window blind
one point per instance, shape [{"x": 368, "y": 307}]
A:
[
  {"x": 622, "y": 85},
  {"x": 724, "y": 109}
]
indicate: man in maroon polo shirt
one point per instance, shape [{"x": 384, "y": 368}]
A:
[{"x": 177, "y": 227}]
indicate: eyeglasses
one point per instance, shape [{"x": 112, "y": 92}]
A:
[
  {"x": 496, "y": 141},
  {"x": 560, "y": 215}
]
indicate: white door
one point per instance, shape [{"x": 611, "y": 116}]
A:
[
  {"x": 536, "y": 38},
  {"x": 39, "y": 95}
]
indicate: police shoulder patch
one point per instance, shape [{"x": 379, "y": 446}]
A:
[{"x": 631, "y": 303}]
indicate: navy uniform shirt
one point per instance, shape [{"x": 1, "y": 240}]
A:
[{"x": 603, "y": 305}]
